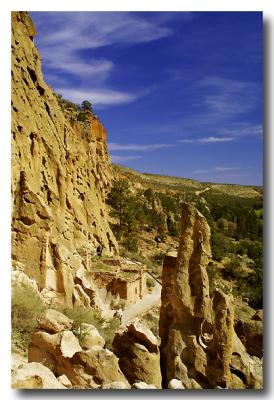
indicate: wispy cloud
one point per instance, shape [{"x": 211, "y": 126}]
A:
[
  {"x": 223, "y": 108},
  {"x": 138, "y": 147},
  {"x": 240, "y": 129},
  {"x": 224, "y": 169},
  {"x": 121, "y": 159},
  {"x": 207, "y": 140},
  {"x": 65, "y": 38},
  {"x": 97, "y": 29},
  {"x": 216, "y": 169},
  {"x": 112, "y": 147},
  {"x": 229, "y": 97},
  {"x": 98, "y": 96}
]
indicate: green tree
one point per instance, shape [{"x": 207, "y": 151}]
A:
[
  {"x": 118, "y": 198},
  {"x": 233, "y": 269},
  {"x": 134, "y": 214},
  {"x": 131, "y": 243},
  {"x": 150, "y": 197},
  {"x": 86, "y": 105},
  {"x": 82, "y": 116}
]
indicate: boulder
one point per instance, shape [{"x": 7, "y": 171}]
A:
[
  {"x": 19, "y": 278},
  {"x": 69, "y": 344},
  {"x": 143, "y": 335},
  {"x": 175, "y": 384},
  {"x": 143, "y": 385},
  {"x": 138, "y": 353},
  {"x": 63, "y": 379},
  {"x": 44, "y": 348},
  {"x": 53, "y": 321},
  {"x": 18, "y": 357},
  {"x": 90, "y": 337},
  {"x": 102, "y": 364},
  {"x": 34, "y": 376},
  {"x": 247, "y": 368},
  {"x": 116, "y": 385},
  {"x": 62, "y": 353}
]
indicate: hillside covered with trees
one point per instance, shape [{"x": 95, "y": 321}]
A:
[{"x": 146, "y": 223}]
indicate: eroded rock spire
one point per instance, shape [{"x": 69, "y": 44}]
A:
[{"x": 196, "y": 330}]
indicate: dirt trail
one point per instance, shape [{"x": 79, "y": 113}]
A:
[
  {"x": 148, "y": 301},
  {"x": 198, "y": 192}
]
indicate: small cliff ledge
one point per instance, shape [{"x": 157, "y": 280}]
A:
[{"x": 61, "y": 173}]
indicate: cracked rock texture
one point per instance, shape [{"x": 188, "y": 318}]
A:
[
  {"x": 197, "y": 332},
  {"x": 62, "y": 353},
  {"x": 61, "y": 172},
  {"x": 138, "y": 352}
]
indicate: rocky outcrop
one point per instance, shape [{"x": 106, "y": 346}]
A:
[
  {"x": 90, "y": 337},
  {"x": 143, "y": 385},
  {"x": 65, "y": 381},
  {"x": 175, "y": 384},
  {"x": 61, "y": 172},
  {"x": 62, "y": 353},
  {"x": 20, "y": 279},
  {"x": 115, "y": 385},
  {"x": 138, "y": 352},
  {"x": 34, "y": 376},
  {"x": 197, "y": 334},
  {"x": 247, "y": 370},
  {"x": 53, "y": 321},
  {"x": 251, "y": 331}
]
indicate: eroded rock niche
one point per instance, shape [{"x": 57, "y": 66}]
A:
[
  {"x": 196, "y": 330},
  {"x": 61, "y": 174}
]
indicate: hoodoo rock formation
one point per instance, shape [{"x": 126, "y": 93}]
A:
[
  {"x": 197, "y": 332},
  {"x": 61, "y": 172}
]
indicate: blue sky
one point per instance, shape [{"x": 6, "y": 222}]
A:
[{"x": 179, "y": 93}]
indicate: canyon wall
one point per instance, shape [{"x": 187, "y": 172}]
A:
[{"x": 61, "y": 173}]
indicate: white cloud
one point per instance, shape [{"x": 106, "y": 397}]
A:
[
  {"x": 229, "y": 97},
  {"x": 224, "y": 108},
  {"x": 224, "y": 169},
  {"x": 210, "y": 139},
  {"x": 97, "y": 29},
  {"x": 121, "y": 159},
  {"x": 68, "y": 63},
  {"x": 96, "y": 96},
  {"x": 138, "y": 147},
  {"x": 216, "y": 169},
  {"x": 133, "y": 147},
  {"x": 66, "y": 41},
  {"x": 243, "y": 129}
]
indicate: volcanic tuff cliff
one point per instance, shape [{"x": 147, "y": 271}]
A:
[
  {"x": 198, "y": 343},
  {"x": 61, "y": 172}
]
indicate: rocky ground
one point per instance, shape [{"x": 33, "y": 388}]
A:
[{"x": 202, "y": 344}]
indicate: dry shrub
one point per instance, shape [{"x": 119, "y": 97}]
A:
[{"x": 26, "y": 305}]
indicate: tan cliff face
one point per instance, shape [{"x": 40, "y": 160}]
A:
[
  {"x": 196, "y": 331},
  {"x": 61, "y": 172}
]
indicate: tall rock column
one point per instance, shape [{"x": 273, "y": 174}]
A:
[{"x": 196, "y": 331}]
